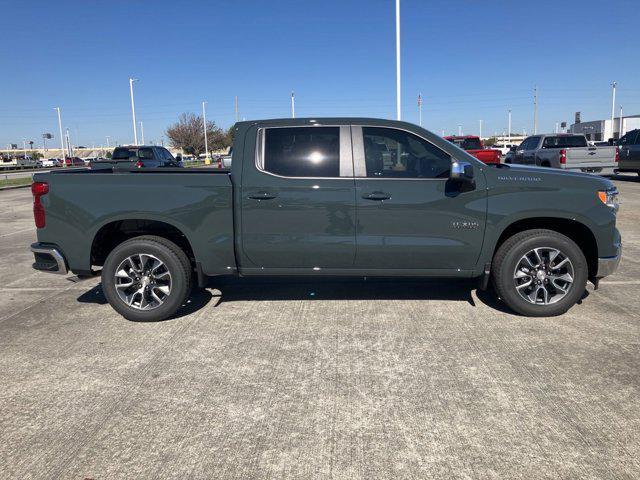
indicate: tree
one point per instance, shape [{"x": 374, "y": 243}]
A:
[{"x": 187, "y": 133}]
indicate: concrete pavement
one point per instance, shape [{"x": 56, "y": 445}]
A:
[{"x": 343, "y": 379}]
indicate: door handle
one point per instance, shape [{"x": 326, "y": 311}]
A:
[
  {"x": 262, "y": 196},
  {"x": 376, "y": 196}
]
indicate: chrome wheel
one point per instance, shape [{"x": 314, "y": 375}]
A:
[
  {"x": 543, "y": 276},
  {"x": 143, "y": 281}
]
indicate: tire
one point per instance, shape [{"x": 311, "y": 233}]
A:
[
  {"x": 509, "y": 262},
  {"x": 164, "y": 290}
]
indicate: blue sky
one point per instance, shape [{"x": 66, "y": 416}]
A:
[{"x": 470, "y": 60}]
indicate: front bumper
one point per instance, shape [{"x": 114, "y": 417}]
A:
[
  {"x": 48, "y": 258},
  {"x": 608, "y": 265}
]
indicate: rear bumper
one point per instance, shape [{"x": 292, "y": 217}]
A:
[
  {"x": 608, "y": 265},
  {"x": 48, "y": 258}
]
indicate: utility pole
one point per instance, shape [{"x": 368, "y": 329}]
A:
[
  {"x": 69, "y": 150},
  {"x": 237, "y": 108},
  {"x": 613, "y": 107},
  {"x": 398, "y": 97},
  {"x": 293, "y": 104},
  {"x": 480, "y": 130},
  {"x": 133, "y": 111},
  {"x": 142, "y": 132},
  {"x": 420, "y": 109},
  {"x": 64, "y": 164},
  {"x": 621, "y": 124},
  {"x": 509, "y": 126},
  {"x": 535, "y": 110},
  {"x": 204, "y": 126}
]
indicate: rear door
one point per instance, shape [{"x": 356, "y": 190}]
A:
[
  {"x": 298, "y": 200},
  {"x": 410, "y": 215}
]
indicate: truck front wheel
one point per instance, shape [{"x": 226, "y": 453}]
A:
[
  {"x": 540, "y": 273},
  {"x": 146, "y": 278}
]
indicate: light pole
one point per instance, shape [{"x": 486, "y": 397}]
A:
[
  {"x": 621, "y": 124},
  {"x": 509, "y": 126},
  {"x": 459, "y": 130},
  {"x": 133, "y": 111},
  {"x": 535, "y": 110},
  {"x": 613, "y": 107},
  {"x": 293, "y": 105},
  {"x": 142, "y": 132},
  {"x": 204, "y": 126},
  {"x": 64, "y": 164},
  {"x": 398, "y": 110},
  {"x": 108, "y": 141}
]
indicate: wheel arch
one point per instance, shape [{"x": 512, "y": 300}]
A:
[
  {"x": 113, "y": 233},
  {"x": 580, "y": 233}
]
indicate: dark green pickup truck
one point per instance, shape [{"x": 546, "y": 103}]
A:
[{"x": 329, "y": 197}]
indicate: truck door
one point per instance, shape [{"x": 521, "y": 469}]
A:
[
  {"x": 410, "y": 215},
  {"x": 629, "y": 146},
  {"x": 298, "y": 200}
]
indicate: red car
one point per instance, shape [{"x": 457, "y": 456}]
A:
[
  {"x": 474, "y": 146},
  {"x": 73, "y": 162}
]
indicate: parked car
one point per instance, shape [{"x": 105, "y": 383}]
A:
[
  {"x": 315, "y": 198},
  {"x": 504, "y": 148},
  {"x": 566, "y": 151},
  {"x": 51, "y": 162},
  {"x": 73, "y": 162},
  {"x": 474, "y": 146},
  {"x": 139, "y": 156},
  {"x": 629, "y": 148}
]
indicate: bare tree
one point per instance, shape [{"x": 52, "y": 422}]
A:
[{"x": 187, "y": 133}]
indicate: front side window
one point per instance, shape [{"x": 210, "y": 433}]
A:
[
  {"x": 302, "y": 151},
  {"x": 392, "y": 153}
]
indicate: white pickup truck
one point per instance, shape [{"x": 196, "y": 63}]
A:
[{"x": 568, "y": 152}]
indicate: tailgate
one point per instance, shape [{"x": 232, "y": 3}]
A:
[{"x": 591, "y": 158}]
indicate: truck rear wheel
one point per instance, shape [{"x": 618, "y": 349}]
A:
[
  {"x": 146, "y": 278},
  {"x": 540, "y": 273}
]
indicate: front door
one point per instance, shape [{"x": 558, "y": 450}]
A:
[
  {"x": 410, "y": 215},
  {"x": 298, "y": 200},
  {"x": 629, "y": 147}
]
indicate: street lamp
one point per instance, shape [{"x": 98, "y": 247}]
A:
[
  {"x": 133, "y": 110},
  {"x": 64, "y": 164},
  {"x": 204, "y": 126}
]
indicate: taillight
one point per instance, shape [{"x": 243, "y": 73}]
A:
[
  {"x": 139, "y": 164},
  {"x": 617, "y": 155},
  {"x": 563, "y": 156},
  {"x": 38, "y": 189}
]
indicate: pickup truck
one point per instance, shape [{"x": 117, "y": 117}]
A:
[
  {"x": 474, "y": 146},
  {"x": 324, "y": 197},
  {"x": 568, "y": 152},
  {"x": 138, "y": 156}
]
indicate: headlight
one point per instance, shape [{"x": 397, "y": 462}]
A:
[{"x": 610, "y": 198}]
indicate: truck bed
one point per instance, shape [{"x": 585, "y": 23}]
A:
[{"x": 82, "y": 203}]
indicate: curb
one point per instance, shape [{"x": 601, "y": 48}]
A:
[{"x": 13, "y": 187}]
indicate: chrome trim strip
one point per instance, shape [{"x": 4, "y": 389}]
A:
[
  {"x": 359, "y": 164},
  {"x": 57, "y": 256},
  {"x": 346, "y": 159}
]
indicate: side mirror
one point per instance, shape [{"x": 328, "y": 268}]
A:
[{"x": 461, "y": 171}]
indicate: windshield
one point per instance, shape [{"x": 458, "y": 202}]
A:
[{"x": 467, "y": 143}]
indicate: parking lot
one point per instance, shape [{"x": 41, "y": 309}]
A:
[{"x": 310, "y": 379}]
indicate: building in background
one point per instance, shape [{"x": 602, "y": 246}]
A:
[{"x": 601, "y": 130}]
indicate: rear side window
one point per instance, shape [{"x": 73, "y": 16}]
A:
[
  {"x": 123, "y": 153},
  {"x": 568, "y": 141},
  {"x": 467, "y": 143},
  {"x": 631, "y": 138},
  {"x": 392, "y": 153},
  {"x": 302, "y": 151}
]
